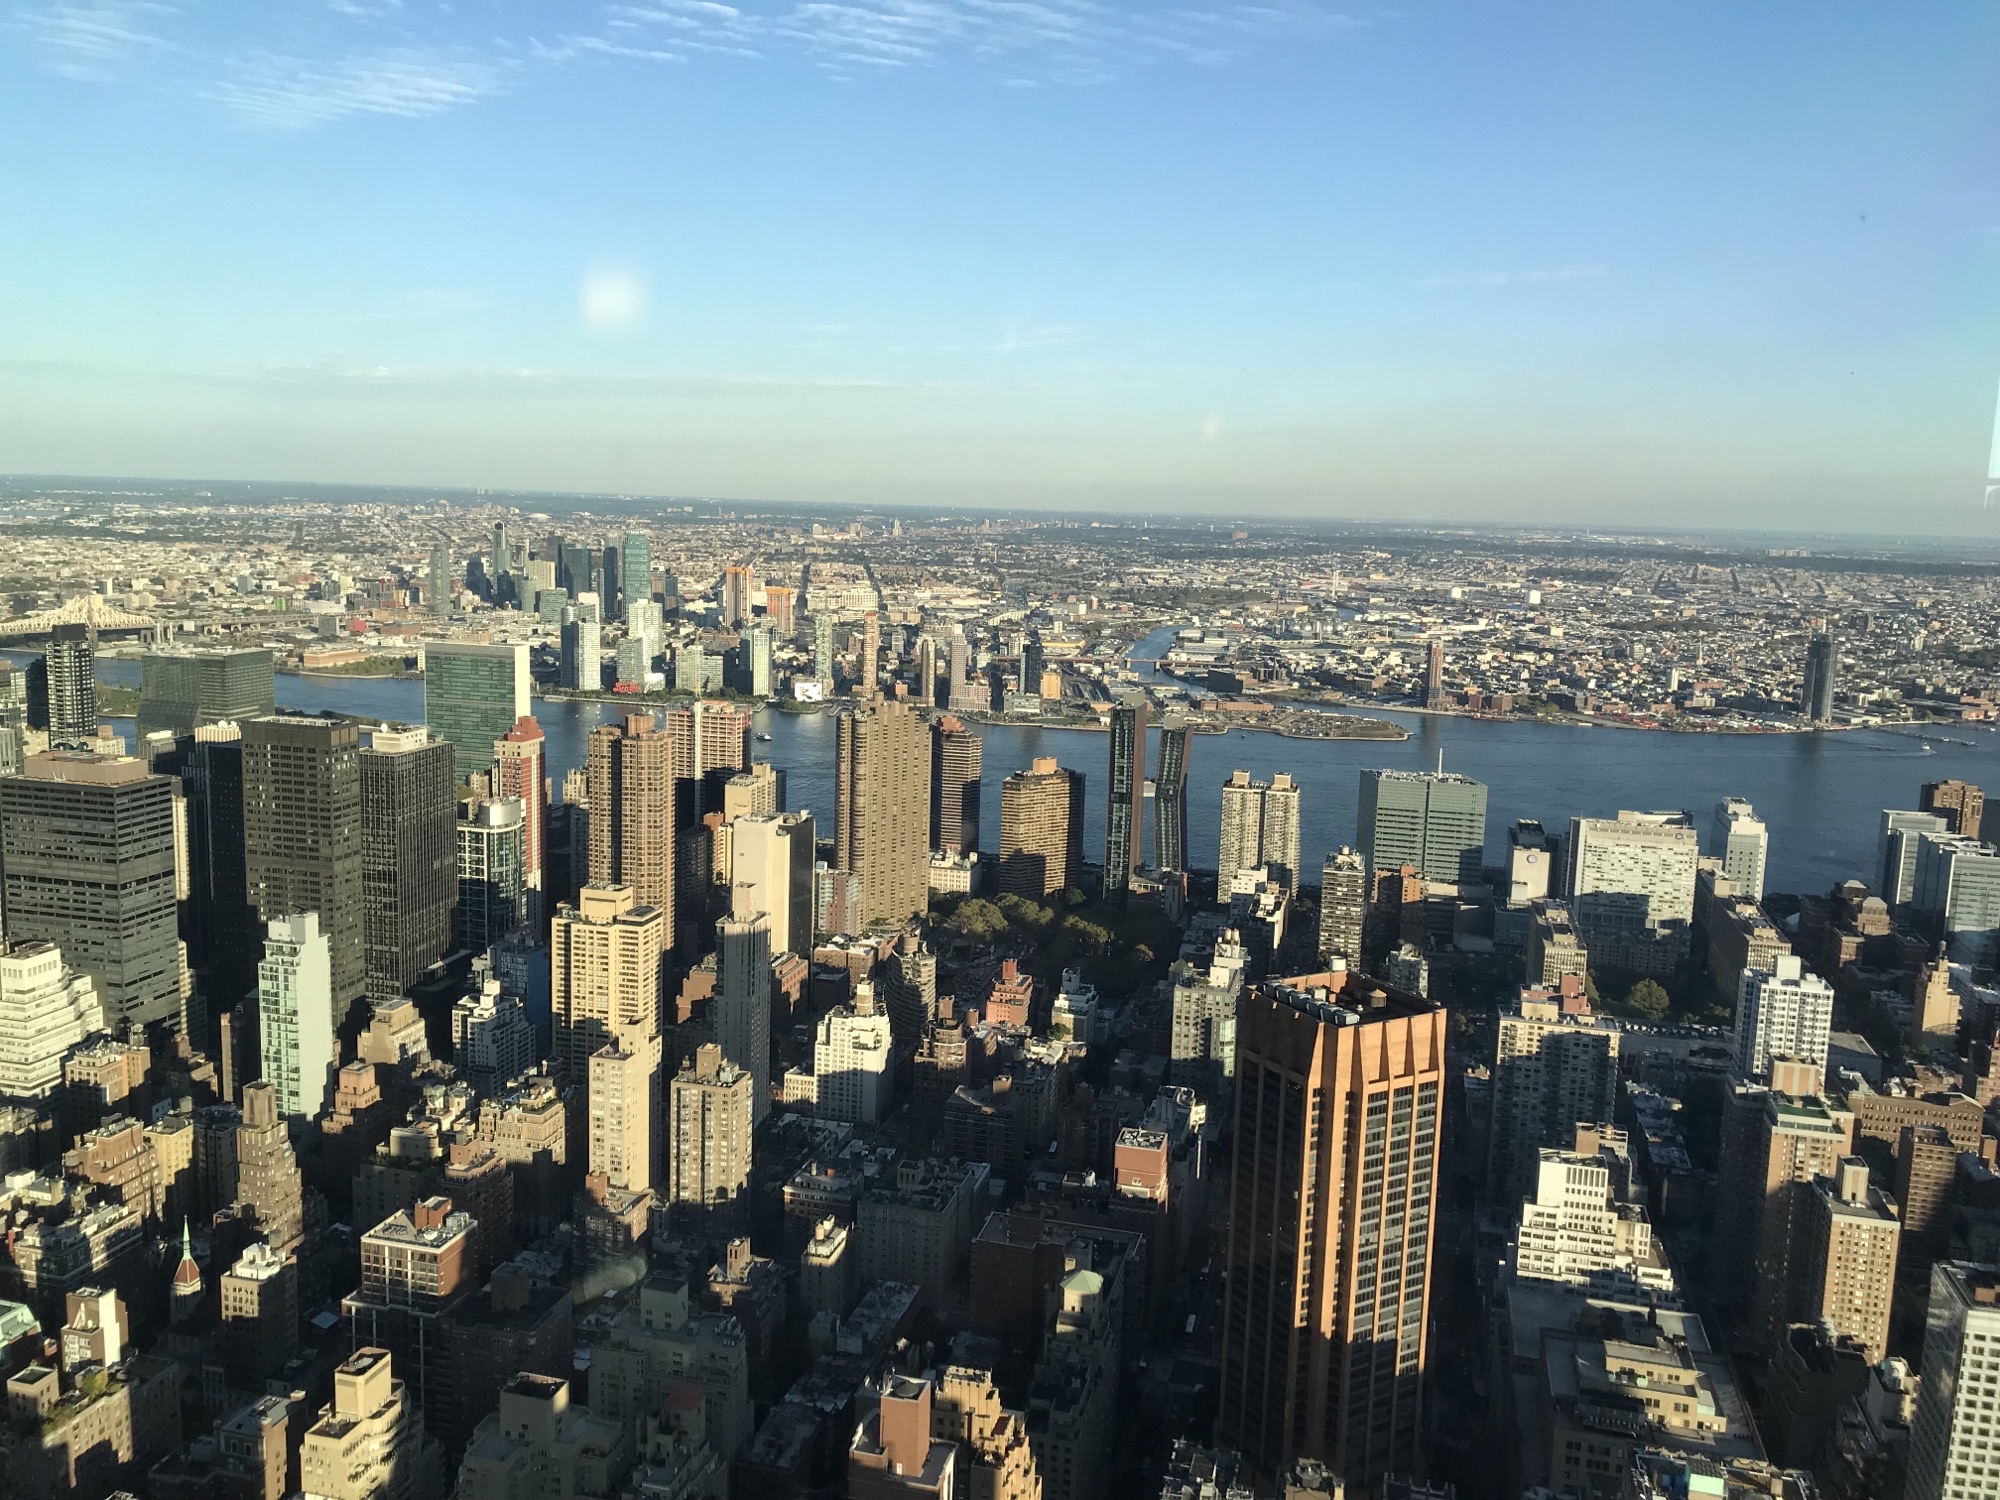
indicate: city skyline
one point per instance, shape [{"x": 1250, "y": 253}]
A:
[{"x": 1399, "y": 281}]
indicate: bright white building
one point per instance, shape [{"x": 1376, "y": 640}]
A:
[
  {"x": 1576, "y": 1232},
  {"x": 851, "y": 1061},
  {"x": 1955, "y": 1439},
  {"x": 1782, "y": 1012},
  {"x": 1741, "y": 843},
  {"x": 295, "y": 1013},
  {"x": 46, "y": 1008}
]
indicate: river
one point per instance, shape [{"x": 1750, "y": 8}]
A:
[{"x": 1820, "y": 794}]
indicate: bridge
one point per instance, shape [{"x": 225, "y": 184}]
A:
[{"x": 88, "y": 610}]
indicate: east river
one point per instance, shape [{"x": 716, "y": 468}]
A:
[{"x": 1821, "y": 794}]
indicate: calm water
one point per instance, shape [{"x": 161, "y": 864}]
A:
[{"x": 1822, "y": 794}]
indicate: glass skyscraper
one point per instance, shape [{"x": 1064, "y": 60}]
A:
[
  {"x": 473, "y": 694},
  {"x": 1434, "y": 820},
  {"x": 182, "y": 690},
  {"x": 635, "y": 571}
]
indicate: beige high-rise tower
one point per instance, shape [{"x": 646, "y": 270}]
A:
[
  {"x": 604, "y": 974},
  {"x": 370, "y": 1443},
  {"x": 712, "y": 1123},
  {"x": 1041, "y": 829},
  {"x": 1847, "y": 1260},
  {"x": 882, "y": 806},
  {"x": 629, "y": 770}
]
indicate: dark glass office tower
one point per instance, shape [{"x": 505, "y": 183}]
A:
[
  {"x": 181, "y": 690},
  {"x": 409, "y": 857},
  {"x": 302, "y": 834},
  {"x": 1170, "y": 818},
  {"x": 217, "y": 922},
  {"x": 87, "y": 847},
  {"x": 576, "y": 569},
  {"x": 1817, "y": 704},
  {"x": 1123, "y": 814}
]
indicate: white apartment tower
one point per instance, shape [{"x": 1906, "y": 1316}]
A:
[
  {"x": 1741, "y": 843},
  {"x": 295, "y": 1013},
  {"x": 1782, "y": 1013}
]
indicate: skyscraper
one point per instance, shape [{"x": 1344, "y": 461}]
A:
[
  {"x": 582, "y": 665},
  {"x": 1555, "y": 1067},
  {"x": 739, "y": 584},
  {"x": 1435, "y": 820},
  {"x": 881, "y": 799},
  {"x": 713, "y": 1118},
  {"x": 302, "y": 841},
  {"x": 1953, "y": 1455},
  {"x": 604, "y": 974},
  {"x": 772, "y": 873},
  {"x": 1896, "y": 852},
  {"x": 217, "y": 922},
  {"x": 437, "y": 584},
  {"x": 1434, "y": 676},
  {"x": 1961, "y": 804},
  {"x": 70, "y": 663},
  {"x": 955, "y": 786},
  {"x": 1170, "y": 815},
  {"x": 630, "y": 774},
  {"x": 780, "y": 609},
  {"x": 473, "y": 694},
  {"x": 1260, "y": 826},
  {"x": 1741, "y": 843},
  {"x": 409, "y": 876},
  {"x": 296, "y": 1014},
  {"x": 1816, "y": 702},
  {"x": 491, "y": 859},
  {"x": 520, "y": 771},
  {"x": 503, "y": 551},
  {"x": 1343, "y": 906},
  {"x": 711, "y": 742},
  {"x": 624, "y": 1113},
  {"x": 1124, "y": 825},
  {"x": 635, "y": 572},
  {"x": 1339, "y": 1093},
  {"x": 1782, "y": 1013},
  {"x": 823, "y": 650},
  {"x": 181, "y": 690},
  {"x": 1630, "y": 881},
  {"x": 87, "y": 864},
  {"x": 742, "y": 1007},
  {"x": 1041, "y": 829},
  {"x": 1956, "y": 895}
]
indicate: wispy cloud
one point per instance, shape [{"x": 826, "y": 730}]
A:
[
  {"x": 470, "y": 382},
  {"x": 1023, "y": 42},
  {"x": 93, "y": 42},
  {"x": 1582, "y": 271},
  {"x": 288, "y": 93},
  {"x": 291, "y": 64}
]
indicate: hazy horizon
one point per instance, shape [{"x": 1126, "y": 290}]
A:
[{"x": 1551, "y": 264}]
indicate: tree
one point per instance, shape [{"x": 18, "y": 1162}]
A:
[
  {"x": 978, "y": 919},
  {"x": 1648, "y": 999}
]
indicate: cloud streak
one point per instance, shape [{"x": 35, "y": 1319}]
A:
[
  {"x": 293, "y": 64},
  {"x": 1583, "y": 271},
  {"x": 290, "y": 93},
  {"x": 93, "y": 43}
]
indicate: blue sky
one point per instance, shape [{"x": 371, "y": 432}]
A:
[{"x": 1697, "y": 264}]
